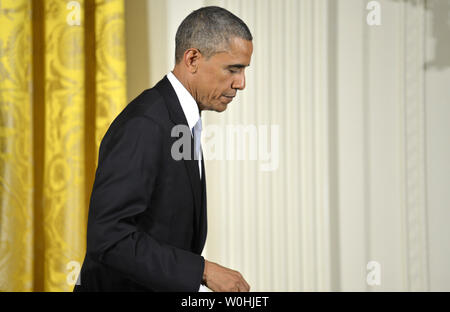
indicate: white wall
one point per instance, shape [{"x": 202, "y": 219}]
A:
[
  {"x": 362, "y": 173},
  {"x": 437, "y": 99}
]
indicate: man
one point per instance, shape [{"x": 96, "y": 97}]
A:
[{"x": 147, "y": 216}]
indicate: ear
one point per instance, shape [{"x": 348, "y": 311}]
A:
[{"x": 191, "y": 59}]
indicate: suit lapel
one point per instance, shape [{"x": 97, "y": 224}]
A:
[{"x": 178, "y": 118}]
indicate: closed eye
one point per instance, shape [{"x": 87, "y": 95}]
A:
[{"x": 235, "y": 68}]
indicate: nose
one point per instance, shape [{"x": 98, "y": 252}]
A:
[{"x": 239, "y": 82}]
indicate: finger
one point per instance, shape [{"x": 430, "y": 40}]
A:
[
  {"x": 246, "y": 285},
  {"x": 243, "y": 282},
  {"x": 242, "y": 287}
]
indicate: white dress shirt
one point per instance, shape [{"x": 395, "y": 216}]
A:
[
  {"x": 190, "y": 109},
  {"x": 189, "y": 106}
]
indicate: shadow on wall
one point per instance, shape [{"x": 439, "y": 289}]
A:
[
  {"x": 440, "y": 15},
  {"x": 441, "y": 32},
  {"x": 146, "y": 35},
  {"x": 138, "y": 47}
]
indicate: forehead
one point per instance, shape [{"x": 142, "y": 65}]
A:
[{"x": 239, "y": 52}]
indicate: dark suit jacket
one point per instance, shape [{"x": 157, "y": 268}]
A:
[{"x": 147, "y": 215}]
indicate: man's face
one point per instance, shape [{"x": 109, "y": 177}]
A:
[{"x": 220, "y": 77}]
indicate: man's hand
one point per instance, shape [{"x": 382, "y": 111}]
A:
[{"x": 219, "y": 278}]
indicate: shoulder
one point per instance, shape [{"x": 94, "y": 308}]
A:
[
  {"x": 131, "y": 137},
  {"x": 145, "y": 114},
  {"x": 149, "y": 104}
]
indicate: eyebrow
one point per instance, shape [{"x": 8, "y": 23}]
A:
[{"x": 238, "y": 65}]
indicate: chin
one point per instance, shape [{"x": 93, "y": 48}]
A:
[{"x": 220, "y": 108}]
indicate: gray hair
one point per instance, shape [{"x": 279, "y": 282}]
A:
[{"x": 209, "y": 29}]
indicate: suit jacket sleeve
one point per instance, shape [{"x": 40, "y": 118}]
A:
[{"x": 125, "y": 179}]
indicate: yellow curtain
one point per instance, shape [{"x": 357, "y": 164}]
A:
[{"x": 62, "y": 82}]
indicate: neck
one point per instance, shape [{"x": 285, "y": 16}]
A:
[{"x": 185, "y": 81}]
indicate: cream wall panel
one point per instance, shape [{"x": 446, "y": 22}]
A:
[
  {"x": 387, "y": 210},
  {"x": 414, "y": 148},
  {"x": 276, "y": 230},
  {"x": 381, "y": 181},
  {"x": 382, "y": 147},
  {"x": 351, "y": 166},
  {"x": 437, "y": 165}
]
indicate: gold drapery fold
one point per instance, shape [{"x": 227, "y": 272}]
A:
[
  {"x": 16, "y": 154},
  {"x": 62, "y": 70},
  {"x": 63, "y": 220},
  {"x": 110, "y": 65}
]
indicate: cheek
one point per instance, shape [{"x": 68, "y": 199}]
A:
[
  {"x": 214, "y": 84},
  {"x": 215, "y": 92},
  {"x": 223, "y": 86}
]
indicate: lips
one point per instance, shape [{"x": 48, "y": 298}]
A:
[{"x": 228, "y": 99}]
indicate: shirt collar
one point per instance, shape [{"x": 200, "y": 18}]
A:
[{"x": 188, "y": 104}]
